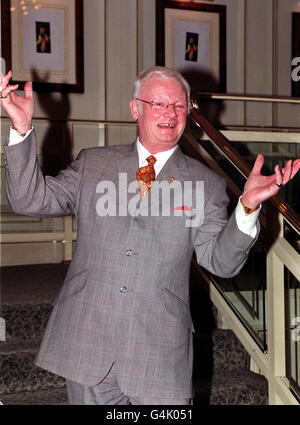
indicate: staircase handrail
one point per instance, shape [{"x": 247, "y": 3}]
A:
[
  {"x": 289, "y": 214},
  {"x": 247, "y": 97}
]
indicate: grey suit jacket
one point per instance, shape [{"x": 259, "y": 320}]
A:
[{"x": 125, "y": 299}]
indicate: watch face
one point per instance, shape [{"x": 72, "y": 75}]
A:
[
  {"x": 19, "y": 132},
  {"x": 247, "y": 209}
]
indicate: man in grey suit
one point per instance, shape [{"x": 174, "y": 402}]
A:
[{"x": 121, "y": 331}]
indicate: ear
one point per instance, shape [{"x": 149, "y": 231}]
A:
[{"x": 134, "y": 109}]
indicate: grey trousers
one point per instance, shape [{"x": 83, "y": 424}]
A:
[{"x": 108, "y": 392}]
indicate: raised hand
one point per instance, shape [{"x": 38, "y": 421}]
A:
[
  {"x": 19, "y": 109},
  {"x": 259, "y": 188}
]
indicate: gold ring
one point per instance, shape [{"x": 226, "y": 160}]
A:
[{"x": 1, "y": 96}]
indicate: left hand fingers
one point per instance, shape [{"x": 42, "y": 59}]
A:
[
  {"x": 287, "y": 171},
  {"x": 283, "y": 176},
  {"x": 290, "y": 170},
  {"x": 295, "y": 167},
  {"x": 259, "y": 162},
  {"x": 278, "y": 176}
]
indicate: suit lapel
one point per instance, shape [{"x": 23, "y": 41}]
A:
[
  {"x": 174, "y": 168},
  {"x": 128, "y": 162}
]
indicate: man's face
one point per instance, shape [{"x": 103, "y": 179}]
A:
[{"x": 160, "y": 131}]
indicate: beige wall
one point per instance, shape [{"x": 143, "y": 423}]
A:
[
  {"x": 119, "y": 41},
  {"x": 259, "y": 60},
  {"x": 258, "y": 56}
]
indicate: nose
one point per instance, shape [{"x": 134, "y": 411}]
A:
[{"x": 170, "y": 108}]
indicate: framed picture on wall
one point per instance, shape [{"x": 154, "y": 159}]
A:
[
  {"x": 191, "y": 37},
  {"x": 42, "y": 41},
  {"x": 296, "y": 54}
]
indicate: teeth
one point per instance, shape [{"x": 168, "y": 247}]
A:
[{"x": 167, "y": 125}]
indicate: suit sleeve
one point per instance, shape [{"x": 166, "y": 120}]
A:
[
  {"x": 220, "y": 246},
  {"x": 30, "y": 193}
]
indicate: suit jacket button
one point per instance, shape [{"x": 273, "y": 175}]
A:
[
  {"x": 129, "y": 252},
  {"x": 123, "y": 290}
]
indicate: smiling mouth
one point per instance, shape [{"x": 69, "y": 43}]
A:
[{"x": 166, "y": 125}]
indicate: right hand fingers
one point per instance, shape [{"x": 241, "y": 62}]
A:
[
  {"x": 28, "y": 89},
  {"x": 5, "y": 88},
  {"x": 5, "y": 92},
  {"x": 4, "y": 80}
]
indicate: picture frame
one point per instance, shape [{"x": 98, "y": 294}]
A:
[
  {"x": 43, "y": 42},
  {"x": 191, "y": 37},
  {"x": 295, "y": 54}
]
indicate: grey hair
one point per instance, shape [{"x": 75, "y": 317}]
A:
[{"x": 162, "y": 72}]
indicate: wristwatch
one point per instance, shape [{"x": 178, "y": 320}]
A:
[
  {"x": 247, "y": 209},
  {"x": 18, "y": 131}
]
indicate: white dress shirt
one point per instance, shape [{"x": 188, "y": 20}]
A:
[
  {"x": 161, "y": 157},
  {"x": 245, "y": 222},
  {"x": 14, "y": 138}
]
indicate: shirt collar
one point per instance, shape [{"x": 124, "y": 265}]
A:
[{"x": 161, "y": 157}]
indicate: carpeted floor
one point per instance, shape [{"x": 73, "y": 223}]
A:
[{"x": 31, "y": 284}]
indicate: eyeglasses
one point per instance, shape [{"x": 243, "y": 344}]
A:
[{"x": 161, "y": 106}]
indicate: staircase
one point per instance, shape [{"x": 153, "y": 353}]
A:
[
  {"x": 221, "y": 365},
  {"x": 221, "y": 374}
]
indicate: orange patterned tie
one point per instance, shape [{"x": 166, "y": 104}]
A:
[{"x": 146, "y": 175}]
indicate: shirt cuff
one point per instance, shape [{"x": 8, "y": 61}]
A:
[
  {"x": 246, "y": 222},
  {"x": 14, "y": 137}
]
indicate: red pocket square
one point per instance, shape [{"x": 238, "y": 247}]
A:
[{"x": 183, "y": 208}]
